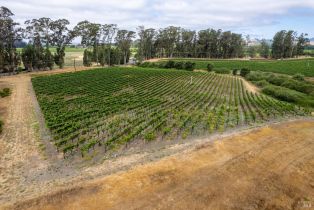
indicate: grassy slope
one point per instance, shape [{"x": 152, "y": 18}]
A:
[{"x": 291, "y": 67}]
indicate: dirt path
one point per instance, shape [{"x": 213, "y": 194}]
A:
[
  {"x": 249, "y": 86},
  {"x": 269, "y": 168},
  {"x": 22, "y": 160},
  {"x": 18, "y": 140}
]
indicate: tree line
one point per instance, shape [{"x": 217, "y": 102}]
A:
[
  {"x": 210, "y": 43},
  {"x": 106, "y": 44}
]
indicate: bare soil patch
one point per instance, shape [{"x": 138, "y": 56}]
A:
[
  {"x": 249, "y": 86},
  {"x": 310, "y": 79},
  {"x": 267, "y": 168}
]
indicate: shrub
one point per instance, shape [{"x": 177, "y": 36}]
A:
[
  {"x": 222, "y": 71},
  {"x": 283, "y": 94},
  {"x": 189, "y": 66},
  {"x": 150, "y": 136},
  {"x": 210, "y": 67},
  {"x": 161, "y": 65},
  {"x": 179, "y": 65},
  {"x": 235, "y": 72},
  {"x": 244, "y": 72},
  {"x": 277, "y": 79},
  {"x": 87, "y": 58},
  {"x": 5, "y": 92},
  {"x": 256, "y": 76},
  {"x": 144, "y": 64},
  {"x": 169, "y": 64},
  {"x": 298, "y": 86},
  {"x": 299, "y": 77},
  {"x": 1, "y": 126},
  {"x": 261, "y": 83}
]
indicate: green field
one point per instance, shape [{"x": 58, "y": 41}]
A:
[
  {"x": 71, "y": 53},
  {"x": 101, "y": 109},
  {"x": 291, "y": 67}
]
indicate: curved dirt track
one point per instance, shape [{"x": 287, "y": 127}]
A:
[{"x": 267, "y": 168}]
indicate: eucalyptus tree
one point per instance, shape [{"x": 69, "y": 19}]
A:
[
  {"x": 237, "y": 44},
  {"x": 188, "y": 43},
  {"x": 167, "y": 39},
  {"x": 108, "y": 32},
  {"x": 302, "y": 41},
  {"x": 10, "y": 32},
  {"x": 60, "y": 38},
  {"x": 38, "y": 31},
  {"x": 208, "y": 43},
  {"x": 264, "y": 49},
  {"x": 278, "y": 45},
  {"x": 204, "y": 43},
  {"x": 124, "y": 40},
  {"x": 289, "y": 44},
  {"x": 146, "y": 47},
  {"x": 90, "y": 34},
  {"x": 225, "y": 44},
  {"x": 252, "y": 51}
]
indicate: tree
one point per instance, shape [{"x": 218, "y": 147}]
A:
[
  {"x": 60, "y": 38},
  {"x": 90, "y": 35},
  {"x": 210, "y": 67},
  {"x": 108, "y": 31},
  {"x": 244, "y": 72},
  {"x": 124, "y": 40},
  {"x": 87, "y": 58},
  {"x": 10, "y": 33},
  {"x": 252, "y": 51},
  {"x": 278, "y": 44},
  {"x": 38, "y": 31},
  {"x": 302, "y": 41},
  {"x": 167, "y": 39},
  {"x": 286, "y": 44},
  {"x": 264, "y": 49},
  {"x": 146, "y": 47},
  {"x": 186, "y": 45},
  {"x": 289, "y": 46}
]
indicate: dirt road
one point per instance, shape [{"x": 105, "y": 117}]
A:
[
  {"x": 268, "y": 168},
  {"x": 18, "y": 142}
]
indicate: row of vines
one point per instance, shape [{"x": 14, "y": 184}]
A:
[{"x": 104, "y": 108}]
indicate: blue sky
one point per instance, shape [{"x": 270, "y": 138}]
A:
[{"x": 258, "y": 18}]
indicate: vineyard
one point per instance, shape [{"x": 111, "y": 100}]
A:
[{"x": 104, "y": 108}]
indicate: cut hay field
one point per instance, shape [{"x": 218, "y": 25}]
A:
[
  {"x": 99, "y": 110},
  {"x": 290, "y": 67}
]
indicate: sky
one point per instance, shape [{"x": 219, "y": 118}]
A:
[{"x": 257, "y": 18}]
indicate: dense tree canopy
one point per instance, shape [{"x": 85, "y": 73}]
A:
[
  {"x": 108, "y": 45},
  {"x": 286, "y": 44},
  {"x": 9, "y": 33}
]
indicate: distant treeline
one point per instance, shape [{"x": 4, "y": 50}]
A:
[{"x": 108, "y": 45}]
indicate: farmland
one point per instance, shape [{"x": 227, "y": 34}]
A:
[
  {"x": 71, "y": 53},
  {"x": 290, "y": 67},
  {"x": 104, "y": 108}
]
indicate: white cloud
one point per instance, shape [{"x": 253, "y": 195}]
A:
[{"x": 195, "y": 14}]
